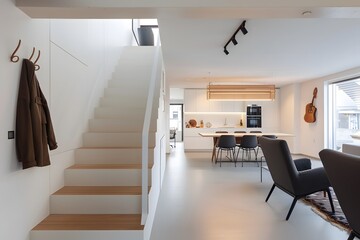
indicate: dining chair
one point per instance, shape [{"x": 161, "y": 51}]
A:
[
  {"x": 238, "y": 139},
  {"x": 173, "y": 137},
  {"x": 215, "y": 142},
  {"x": 227, "y": 143},
  {"x": 248, "y": 143}
]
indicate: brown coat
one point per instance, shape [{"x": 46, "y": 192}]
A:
[{"x": 34, "y": 130}]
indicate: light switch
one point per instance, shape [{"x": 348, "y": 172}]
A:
[{"x": 11, "y": 134}]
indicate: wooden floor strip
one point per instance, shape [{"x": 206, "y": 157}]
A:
[
  {"x": 91, "y": 222},
  {"x": 99, "y": 190},
  {"x": 108, "y": 166}
]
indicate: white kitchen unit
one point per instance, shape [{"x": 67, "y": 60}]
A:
[{"x": 224, "y": 115}]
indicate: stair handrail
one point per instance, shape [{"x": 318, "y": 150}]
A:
[{"x": 145, "y": 139}]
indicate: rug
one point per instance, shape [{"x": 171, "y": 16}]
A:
[{"x": 321, "y": 206}]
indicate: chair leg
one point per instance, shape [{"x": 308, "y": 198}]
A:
[
  {"x": 351, "y": 236},
  {"x": 235, "y": 159},
  {"x": 291, "y": 208},
  {"x": 242, "y": 159},
  {"x": 256, "y": 156},
  {"x": 330, "y": 200},
  {"x": 217, "y": 156},
  {"x": 220, "y": 156},
  {"x": 271, "y": 190},
  {"x": 260, "y": 170}
]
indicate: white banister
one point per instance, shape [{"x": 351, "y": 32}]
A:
[{"x": 145, "y": 138}]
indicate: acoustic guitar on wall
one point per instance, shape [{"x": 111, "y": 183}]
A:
[{"x": 310, "y": 109}]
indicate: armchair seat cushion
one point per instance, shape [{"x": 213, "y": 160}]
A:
[
  {"x": 302, "y": 164},
  {"x": 310, "y": 181}
]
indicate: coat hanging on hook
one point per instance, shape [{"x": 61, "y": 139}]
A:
[{"x": 34, "y": 130}]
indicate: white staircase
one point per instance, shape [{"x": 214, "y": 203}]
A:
[{"x": 101, "y": 198}]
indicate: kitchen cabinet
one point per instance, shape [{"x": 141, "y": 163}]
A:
[{"x": 196, "y": 101}]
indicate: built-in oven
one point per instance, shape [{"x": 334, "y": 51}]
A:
[
  {"x": 253, "y": 110},
  {"x": 253, "y": 122},
  {"x": 253, "y": 116}
]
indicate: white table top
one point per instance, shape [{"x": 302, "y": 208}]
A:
[{"x": 242, "y": 134}]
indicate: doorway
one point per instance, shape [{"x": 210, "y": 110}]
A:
[{"x": 176, "y": 120}]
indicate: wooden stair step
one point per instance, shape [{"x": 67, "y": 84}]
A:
[
  {"x": 99, "y": 190},
  {"x": 91, "y": 222},
  {"x": 108, "y": 166}
]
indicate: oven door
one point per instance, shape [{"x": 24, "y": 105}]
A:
[
  {"x": 253, "y": 122},
  {"x": 253, "y": 110}
]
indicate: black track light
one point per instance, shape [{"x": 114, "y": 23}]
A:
[
  {"x": 234, "y": 41},
  {"x": 243, "y": 29}
]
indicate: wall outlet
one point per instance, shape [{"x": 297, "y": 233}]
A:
[{"x": 11, "y": 134}]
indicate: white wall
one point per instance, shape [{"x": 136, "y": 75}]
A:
[
  {"x": 77, "y": 58},
  {"x": 310, "y": 138},
  {"x": 312, "y": 134},
  {"x": 176, "y": 95},
  {"x": 289, "y": 116}
]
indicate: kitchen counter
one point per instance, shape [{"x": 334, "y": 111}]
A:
[{"x": 194, "y": 142}]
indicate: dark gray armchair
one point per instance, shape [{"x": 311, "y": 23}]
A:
[
  {"x": 296, "y": 178},
  {"x": 343, "y": 171}
]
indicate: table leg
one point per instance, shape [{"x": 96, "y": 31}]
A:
[{"x": 214, "y": 149}]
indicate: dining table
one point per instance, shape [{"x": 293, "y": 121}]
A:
[{"x": 217, "y": 135}]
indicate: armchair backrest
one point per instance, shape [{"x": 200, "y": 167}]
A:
[
  {"x": 280, "y": 163},
  {"x": 343, "y": 171}
]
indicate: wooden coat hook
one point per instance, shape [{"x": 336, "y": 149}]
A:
[
  {"x": 32, "y": 54},
  {"x": 14, "y": 58},
  {"x": 37, "y": 67}
]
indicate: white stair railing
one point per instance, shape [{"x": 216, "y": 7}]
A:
[{"x": 145, "y": 138}]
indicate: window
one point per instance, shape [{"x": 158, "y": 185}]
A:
[{"x": 344, "y": 112}]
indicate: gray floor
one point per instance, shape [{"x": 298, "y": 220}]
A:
[{"x": 202, "y": 201}]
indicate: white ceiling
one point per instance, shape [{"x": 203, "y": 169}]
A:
[
  {"x": 276, "y": 51},
  {"x": 282, "y": 45}
]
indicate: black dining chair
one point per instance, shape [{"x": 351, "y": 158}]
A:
[
  {"x": 238, "y": 139},
  {"x": 256, "y": 131},
  {"x": 248, "y": 144},
  {"x": 173, "y": 137},
  {"x": 296, "y": 178},
  {"x": 215, "y": 142},
  {"x": 343, "y": 171},
  {"x": 227, "y": 143}
]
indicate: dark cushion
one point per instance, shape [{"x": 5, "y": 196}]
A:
[{"x": 302, "y": 164}]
